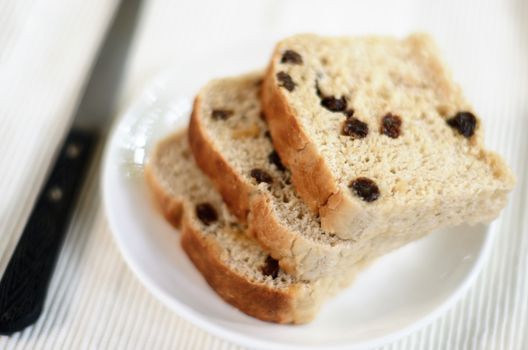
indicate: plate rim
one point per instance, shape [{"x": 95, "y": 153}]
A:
[{"x": 208, "y": 325}]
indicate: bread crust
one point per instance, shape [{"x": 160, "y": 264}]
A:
[
  {"x": 234, "y": 189},
  {"x": 288, "y": 305},
  {"x": 321, "y": 193},
  {"x": 171, "y": 207},
  {"x": 298, "y": 255},
  {"x": 254, "y": 299},
  {"x": 340, "y": 211},
  {"x": 296, "y": 301},
  {"x": 236, "y": 193},
  {"x": 294, "y": 147}
]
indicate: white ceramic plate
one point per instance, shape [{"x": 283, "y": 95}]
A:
[{"x": 400, "y": 293}]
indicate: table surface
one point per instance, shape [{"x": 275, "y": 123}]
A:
[{"x": 94, "y": 300}]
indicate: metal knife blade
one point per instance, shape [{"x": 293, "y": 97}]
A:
[{"x": 24, "y": 284}]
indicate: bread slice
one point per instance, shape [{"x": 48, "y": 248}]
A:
[
  {"x": 230, "y": 140},
  {"x": 378, "y": 137},
  {"x": 233, "y": 264}
]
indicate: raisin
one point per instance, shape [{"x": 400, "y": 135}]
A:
[
  {"x": 274, "y": 158},
  {"x": 270, "y": 267},
  {"x": 206, "y": 213},
  {"x": 221, "y": 114},
  {"x": 365, "y": 188},
  {"x": 334, "y": 104},
  {"x": 290, "y": 56},
  {"x": 267, "y": 134},
  {"x": 464, "y": 122},
  {"x": 261, "y": 176},
  {"x": 355, "y": 128},
  {"x": 262, "y": 115},
  {"x": 390, "y": 125},
  {"x": 285, "y": 81}
]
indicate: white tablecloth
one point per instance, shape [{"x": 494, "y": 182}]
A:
[{"x": 46, "y": 48}]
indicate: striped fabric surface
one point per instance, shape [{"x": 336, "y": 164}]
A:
[
  {"x": 94, "y": 300},
  {"x": 46, "y": 51}
]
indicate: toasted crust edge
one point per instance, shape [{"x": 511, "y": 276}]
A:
[
  {"x": 321, "y": 193},
  {"x": 254, "y": 299},
  {"x": 294, "y": 146},
  {"x": 234, "y": 190},
  {"x": 171, "y": 207},
  {"x": 337, "y": 208},
  {"x": 242, "y": 197}
]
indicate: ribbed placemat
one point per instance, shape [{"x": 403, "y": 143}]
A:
[
  {"x": 94, "y": 299},
  {"x": 46, "y": 51}
]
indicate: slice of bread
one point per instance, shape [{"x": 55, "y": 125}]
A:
[
  {"x": 232, "y": 263},
  {"x": 378, "y": 137},
  {"x": 230, "y": 142}
]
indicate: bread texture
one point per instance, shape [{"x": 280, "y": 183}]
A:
[
  {"x": 229, "y": 149},
  {"x": 232, "y": 263},
  {"x": 378, "y": 137}
]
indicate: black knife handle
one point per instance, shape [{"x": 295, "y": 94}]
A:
[{"x": 25, "y": 282}]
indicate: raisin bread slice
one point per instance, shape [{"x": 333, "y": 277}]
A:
[
  {"x": 232, "y": 263},
  {"x": 378, "y": 136},
  {"x": 230, "y": 142}
]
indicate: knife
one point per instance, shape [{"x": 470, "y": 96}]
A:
[{"x": 25, "y": 282}]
